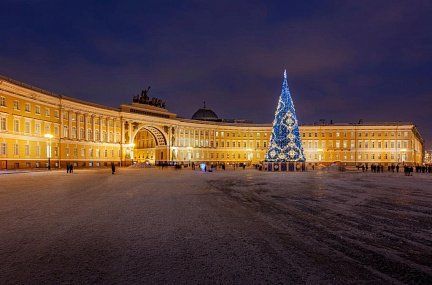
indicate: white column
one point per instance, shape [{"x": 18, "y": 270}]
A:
[
  {"x": 93, "y": 127},
  {"x": 122, "y": 123},
  {"x": 70, "y": 124},
  {"x": 85, "y": 126},
  {"x": 100, "y": 128},
  {"x": 130, "y": 133},
  {"x": 61, "y": 123}
]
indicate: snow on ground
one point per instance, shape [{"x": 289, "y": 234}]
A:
[{"x": 153, "y": 226}]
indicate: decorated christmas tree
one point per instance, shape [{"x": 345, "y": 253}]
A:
[{"x": 285, "y": 142}]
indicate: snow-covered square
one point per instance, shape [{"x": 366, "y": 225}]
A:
[{"x": 165, "y": 226}]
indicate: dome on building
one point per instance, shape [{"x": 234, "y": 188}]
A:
[{"x": 205, "y": 114}]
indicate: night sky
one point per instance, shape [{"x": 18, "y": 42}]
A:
[{"x": 345, "y": 60}]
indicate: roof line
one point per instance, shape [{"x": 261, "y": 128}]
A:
[{"x": 52, "y": 94}]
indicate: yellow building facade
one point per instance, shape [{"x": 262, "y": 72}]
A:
[{"x": 37, "y": 126}]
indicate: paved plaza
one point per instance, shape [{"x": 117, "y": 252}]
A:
[{"x": 152, "y": 226}]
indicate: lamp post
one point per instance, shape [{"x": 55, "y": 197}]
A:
[{"x": 49, "y": 137}]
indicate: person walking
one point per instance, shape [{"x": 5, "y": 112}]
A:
[
  {"x": 112, "y": 168},
  {"x": 67, "y": 167},
  {"x": 71, "y": 168}
]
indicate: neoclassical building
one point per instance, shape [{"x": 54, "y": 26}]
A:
[{"x": 37, "y": 126}]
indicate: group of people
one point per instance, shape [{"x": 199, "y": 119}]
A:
[
  {"x": 408, "y": 170},
  {"x": 70, "y": 168},
  {"x": 377, "y": 168},
  {"x": 423, "y": 168},
  {"x": 202, "y": 166}
]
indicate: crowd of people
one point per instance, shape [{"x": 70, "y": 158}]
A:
[
  {"x": 408, "y": 169},
  {"x": 205, "y": 167}
]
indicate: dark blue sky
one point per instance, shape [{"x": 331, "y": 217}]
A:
[{"x": 345, "y": 60}]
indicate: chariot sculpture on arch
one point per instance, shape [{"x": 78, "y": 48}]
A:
[{"x": 144, "y": 98}]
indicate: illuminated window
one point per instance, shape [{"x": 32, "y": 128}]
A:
[
  {"x": 38, "y": 128},
  {"x": 27, "y": 107},
  {"x": 3, "y": 124},
  {"x": 16, "y": 149},
  {"x": 2, "y": 101},
  {"x": 16, "y": 105},
  {"x": 27, "y": 127},
  {"x": 3, "y": 148},
  {"x": 47, "y": 112},
  {"x": 37, "y": 110},
  {"x": 16, "y": 126},
  {"x": 74, "y": 132}
]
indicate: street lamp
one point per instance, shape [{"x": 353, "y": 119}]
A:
[{"x": 49, "y": 137}]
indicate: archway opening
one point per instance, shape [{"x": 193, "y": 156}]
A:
[
  {"x": 149, "y": 145},
  {"x": 145, "y": 147}
]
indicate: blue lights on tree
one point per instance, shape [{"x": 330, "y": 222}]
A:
[{"x": 285, "y": 142}]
